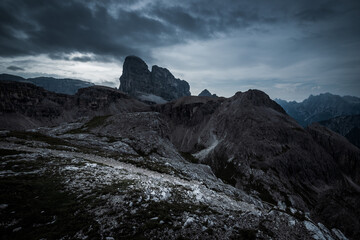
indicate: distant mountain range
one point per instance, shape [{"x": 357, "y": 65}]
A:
[
  {"x": 321, "y": 107},
  {"x": 66, "y": 85}
]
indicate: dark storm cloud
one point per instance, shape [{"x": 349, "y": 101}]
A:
[
  {"x": 82, "y": 59},
  {"x": 230, "y": 34},
  {"x": 15, "y": 68},
  {"x": 314, "y": 15},
  {"x": 58, "y": 27}
]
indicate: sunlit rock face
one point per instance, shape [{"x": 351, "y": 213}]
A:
[{"x": 139, "y": 82}]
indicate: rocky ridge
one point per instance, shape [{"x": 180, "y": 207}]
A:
[
  {"x": 25, "y": 105},
  {"x": 251, "y": 143},
  {"x": 66, "y": 86},
  {"x": 321, "y": 107},
  {"x": 157, "y": 86}
]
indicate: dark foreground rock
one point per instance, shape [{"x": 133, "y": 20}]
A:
[
  {"x": 25, "y": 105},
  {"x": 347, "y": 126},
  {"x": 197, "y": 167},
  {"x": 251, "y": 143}
]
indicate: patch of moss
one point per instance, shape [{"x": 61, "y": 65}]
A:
[
  {"x": 93, "y": 123},
  {"x": 42, "y": 209},
  {"x": 116, "y": 187},
  {"x": 155, "y": 166},
  {"x": 36, "y": 136}
]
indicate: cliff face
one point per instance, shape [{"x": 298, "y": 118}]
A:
[{"x": 136, "y": 80}]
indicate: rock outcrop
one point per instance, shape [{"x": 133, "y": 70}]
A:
[
  {"x": 206, "y": 93},
  {"x": 157, "y": 86}
]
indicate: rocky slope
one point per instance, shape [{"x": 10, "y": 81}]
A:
[
  {"x": 321, "y": 107},
  {"x": 25, "y": 105},
  {"x": 348, "y": 126},
  {"x": 197, "y": 167},
  {"x": 122, "y": 178},
  {"x": 66, "y": 86},
  {"x": 251, "y": 143},
  {"x": 157, "y": 86}
]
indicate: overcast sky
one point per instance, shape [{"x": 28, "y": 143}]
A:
[{"x": 289, "y": 49}]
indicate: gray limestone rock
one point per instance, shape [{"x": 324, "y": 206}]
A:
[{"x": 138, "y": 81}]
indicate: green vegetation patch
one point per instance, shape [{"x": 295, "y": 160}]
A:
[
  {"x": 36, "y": 136},
  {"x": 95, "y": 122},
  {"x": 37, "y": 207},
  {"x": 156, "y": 167}
]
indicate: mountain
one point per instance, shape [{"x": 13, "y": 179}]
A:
[
  {"x": 206, "y": 93},
  {"x": 347, "y": 126},
  {"x": 321, "y": 107},
  {"x": 24, "y": 105},
  {"x": 66, "y": 85},
  {"x": 157, "y": 86},
  {"x": 196, "y": 167}
]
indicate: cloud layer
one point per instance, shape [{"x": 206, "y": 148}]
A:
[{"x": 289, "y": 49}]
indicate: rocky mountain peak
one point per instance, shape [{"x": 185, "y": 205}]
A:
[
  {"x": 157, "y": 86},
  {"x": 206, "y": 93},
  {"x": 135, "y": 76},
  {"x": 256, "y": 98}
]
